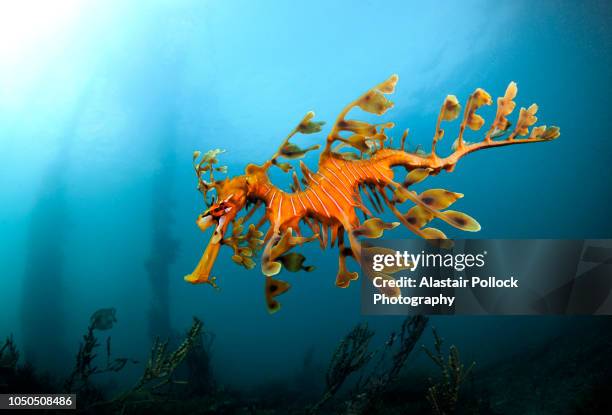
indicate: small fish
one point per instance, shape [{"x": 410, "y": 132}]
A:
[{"x": 104, "y": 318}]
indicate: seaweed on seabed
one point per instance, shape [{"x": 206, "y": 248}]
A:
[
  {"x": 351, "y": 355},
  {"x": 21, "y": 378},
  {"x": 391, "y": 361},
  {"x": 199, "y": 369},
  {"x": 443, "y": 396},
  {"x": 9, "y": 355},
  {"x": 84, "y": 368},
  {"x": 158, "y": 376},
  {"x": 161, "y": 365}
]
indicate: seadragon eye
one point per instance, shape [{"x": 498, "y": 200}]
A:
[{"x": 221, "y": 209}]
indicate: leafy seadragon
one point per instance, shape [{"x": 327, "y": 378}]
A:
[{"x": 332, "y": 196}]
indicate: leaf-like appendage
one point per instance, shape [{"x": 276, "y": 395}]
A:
[
  {"x": 307, "y": 126},
  {"x": 373, "y": 228},
  {"x": 439, "y": 236},
  {"x": 293, "y": 152},
  {"x": 344, "y": 278},
  {"x": 497, "y": 133},
  {"x": 551, "y": 133},
  {"x": 388, "y": 87},
  {"x": 526, "y": 119},
  {"x": 358, "y": 127},
  {"x": 505, "y": 106},
  {"x": 510, "y": 94},
  {"x": 270, "y": 268},
  {"x": 461, "y": 221},
  {"x": 273, "y": 289},
  {"x": 451, "y": 108},
  {"x": 418, "y": 216},
  {"x": 439, "y": 199},
  {"x": 348, "y": 156},
  {"x": 479, "y": 98},
  {"x": 359, "y": 142},
  {"x": 374, "y": 102},
  {"x": 286, "y": 167},
  {"x": 380, "y": 137},
  {"x": 536, "y": 132},
  {"x": 433, "y": 233},
  {"x": 475, "y": 122},
  {"x": 294, "y": 262},
  {"x": 211, "y": 156},
  {"x": 402, "y": 194},
  {"x": 248, "y": 263},
  {"x": 416, "y": 176}
]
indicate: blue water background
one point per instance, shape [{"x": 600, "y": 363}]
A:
[{"x": 125, "y": 91}]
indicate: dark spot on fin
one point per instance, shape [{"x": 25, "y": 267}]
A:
[
  {"x": 292, "y": 261},
  {"x": 273, "y": 306},
  {"x": 427, "y": 200},
  {"x": 460, "y": 221},
  {"x": 274, "y": 288}
]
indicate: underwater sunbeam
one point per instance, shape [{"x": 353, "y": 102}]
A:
[{"x": 27, "y": 24}]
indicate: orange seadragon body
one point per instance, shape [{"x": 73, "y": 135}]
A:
[{"x": 332, "y": 196}]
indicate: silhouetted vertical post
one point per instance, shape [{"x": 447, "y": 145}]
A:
[
  {"x": 43, "y": 305},
  {"x": 163, "y": 245}
]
